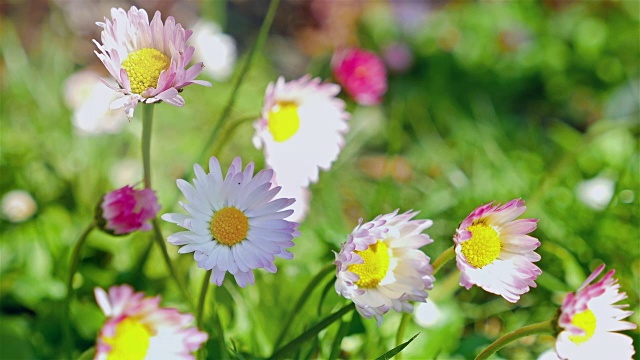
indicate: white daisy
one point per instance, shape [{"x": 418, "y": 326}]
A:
[
  {"x": 233, "y": 224},
  {"x": 589, "y": 320},
  {"x": 302, "y": 128},
  {"x": 381, "y": 267}
]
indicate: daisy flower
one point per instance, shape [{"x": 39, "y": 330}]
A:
[
  {"x": 148, "y": 60},
  {"x": 381, "y": 267},
  {"x": 494, "y": 252},
  {"x": 234, "y": 223},
  {"x": 361, "y": 73},
  {"x": 302, "y": 128},
  {"x": 589, "y": 318},
  {"x": 126, "y": 210},
  {"x": 138, "y": 328}
]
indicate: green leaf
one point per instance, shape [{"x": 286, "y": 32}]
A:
[
  {"x": 89, "y": 354},
  {"x": 393, "y": 352}
]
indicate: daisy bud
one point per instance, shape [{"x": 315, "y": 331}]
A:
[
  {"x": 126, "y": 210},
  {"x": 361, "y": 73}
]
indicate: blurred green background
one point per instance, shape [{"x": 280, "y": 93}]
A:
[{"x": 492, "y": 101}]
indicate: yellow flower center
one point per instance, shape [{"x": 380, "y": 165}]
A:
[
  {"x": 375, "y": 266},
  {"x": 229, "y": 226},
  {"x": 483, "y": 247},
  {"x": 585, "y": 321},
  {"x": 130, "y": 342},
  {"x": 144, "y": 67},
  {"x": 284, "y": 121}
]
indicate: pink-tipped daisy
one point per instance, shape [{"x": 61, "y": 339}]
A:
[
  {"x": 148, "y": 60},
  {"x": 494, "y": 252},
  {"x": 138, "y": 328},
  {"x": 381, "y": 266},
  {"x": 302, "y": 129},
  {"x": 589, "y": 318},
  {"x": 234, "y": 223}
]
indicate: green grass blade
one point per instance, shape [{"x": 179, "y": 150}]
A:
[{"x": 393, "y": 352}]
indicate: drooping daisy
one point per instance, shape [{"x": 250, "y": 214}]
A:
[
  {"x": 493, "y": 250},
  {"x": 302, "y": 128},
  {"x": 234, "y": 224},
  {"x": 589, "y": 318},
  {"x": 138, "y": 328},
  {"x": 148, "y": 60},
  {"x": 381, "y": 266},
  {"x": 126, "y": 210}
]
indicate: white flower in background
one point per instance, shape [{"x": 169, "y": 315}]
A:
[
  {"x": 89, "y": 99},
  {"x": 381, "y": 266},
  {"x": 427, "y": 314},
  {"x": 18, "y": 206},
  {"x": 215, "y": 49},
  {"x": 596, "y": 193}
]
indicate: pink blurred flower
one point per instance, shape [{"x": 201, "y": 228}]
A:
[
  {"x": 589, "y": 318},
  {"x": 361, "y": 73},
  {"x": 148, "y": 60},
  {"x": 138, "y": 328},
  {"x": 494, "y": 252},
  {"x": 127, "y": 210}
]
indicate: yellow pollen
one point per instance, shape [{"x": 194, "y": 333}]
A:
[
  {"x": 375, "y": 266},
  {"x": 130, "y": 342},
  {"x": 585, "y": 321},
  {"x": 483, "y": 247},
  {"x": 284, "y": 121},
  {"x": 144, "y": 67},
  {"x": 229, "y": 226}
]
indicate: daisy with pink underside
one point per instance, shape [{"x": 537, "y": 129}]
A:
[
  {"x": 494, "y": 252},
  {"x": 234, "y": 224},
  {"x": 148, "y": 60},
  {"x": 138, "y": 328},
  {"x": 381, "y": 266},
  {"x": 126, "y": 210},
  {"x": 589, "y": 318}
]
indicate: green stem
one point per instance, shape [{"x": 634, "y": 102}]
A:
[
  {"x": 539, "y": 328},
  {"x": 147, "y": 120},
  {"x": 404, "y": 322},
  {"x": 297, "y": 342},
  {"x": 75, "y": 258},
  {"x": 200, "y": 311},
  {"x": 304, "y": 296},
  {"x": 262, "y": 36},
  {"x": 160, "y": 241},
  {"x": 447, "y": 255}
]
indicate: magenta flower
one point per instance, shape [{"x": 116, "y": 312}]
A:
[
  {"x": 127, "y": 210},
  {"x": 148, "y": 60},
  {"x": 494, "y": 252},
  {"x": 589, "y": 318},
  {"x": 138, "y": 328},
  {"x": 361, "y": 73}
]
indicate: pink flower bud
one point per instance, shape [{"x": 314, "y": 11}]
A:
[
  {"x": 127, "y": 210},
  {"x": 361, "y": 73}
]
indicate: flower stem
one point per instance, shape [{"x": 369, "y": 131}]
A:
[
  {"x": 75, "y": 258},
  {"x": 200, "y": 310},
  {"x": 404, "y": 322},
  {"x": 262, "y": 36},
  {"x": 147, "y": 120},
  {"x": 160, "y": 240},
  {"x": 447, "y": 255},
  {"x": 539, "y": 328}
]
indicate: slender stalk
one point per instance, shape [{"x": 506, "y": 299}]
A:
[
  {"x": 147, "y": 121},
  {"x": 160, "y": 241},
  {"x": 297, "y": 342},
  {"x": 200, "y": 310},
  {"x": 404, "y": 322},
  {"x": 447, "y": 255},
  {"x": 304, "y": 296},
  {"x": 539, "y": 328},
  {"x": 203, "y": 294},
  {"x": 75, "y": 258},
  {"x": 262, "y": 36}
]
